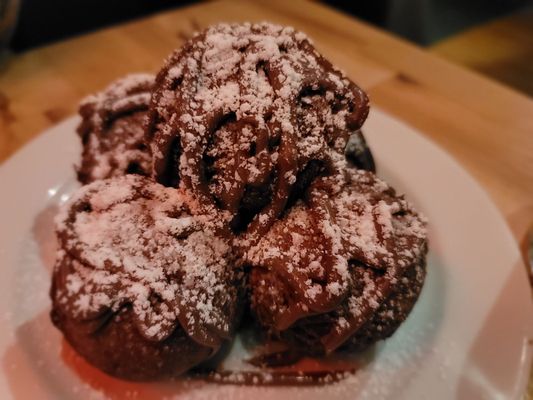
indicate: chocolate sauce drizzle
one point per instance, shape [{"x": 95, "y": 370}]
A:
[
  {"x": 365, "y": 240},
  {"x": 251, "y": 105},
  {"x": 252, "y": 125},
  {"x": 131, "y": 242},
  {"x": 278, "y": 368}
]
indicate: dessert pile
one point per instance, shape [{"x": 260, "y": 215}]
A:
[{"x": 235, "y": 182}]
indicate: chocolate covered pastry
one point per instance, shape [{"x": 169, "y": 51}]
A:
[
  {"x": 343, "y": 268},
  {"x": 112, "y": 130},
  {"x": 256, "y": 170},
  {"x": 144, "y": 286},
  {"x": 246, "y": 115}
]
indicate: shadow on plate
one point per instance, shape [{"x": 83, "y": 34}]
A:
[
  {"x": 400, "y": 359},
  {"x": 41, "y": 365},
  {"x": 482, "y": 375}
]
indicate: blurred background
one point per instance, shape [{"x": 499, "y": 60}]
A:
[{"x": 463, "y": 31}]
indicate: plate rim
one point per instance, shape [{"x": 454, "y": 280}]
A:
[{"x": 12, "y": 163}]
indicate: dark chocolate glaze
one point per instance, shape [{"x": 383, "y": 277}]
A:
[
  {"x": 143, "y": 287},
  {"x": 292, "y": 301},
  {"x": 248, "y": 107},
  {"x": 257, "y": 138},
  {"x": 358, "y": 152}
]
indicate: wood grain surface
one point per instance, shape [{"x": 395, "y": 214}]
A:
[
  {"x": 486, "y": 126},
  {"x": 501, "y": 49}
]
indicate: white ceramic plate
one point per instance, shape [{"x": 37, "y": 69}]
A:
[{"x": 466, "y": 338}]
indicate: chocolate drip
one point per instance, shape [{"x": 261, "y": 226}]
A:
[
  {"x": 252, "y": 106},
  {"x": 276, "y": 359},
  {"x": 284, "y": 367},
  {"x": 358, "y": 153},
  {"x": 130, "y": 242},
  {"x": 370, "y": 248},
  {"x": 255, "y": 136}
]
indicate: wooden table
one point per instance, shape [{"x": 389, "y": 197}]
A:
[
  {"x": 486, "y": 126},
  {"x": 503, "y": 50}
]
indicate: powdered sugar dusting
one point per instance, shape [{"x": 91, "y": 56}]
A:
[
  {"x": 129, "y": 240},
  {"x": 252, "y": 104},
  {"x": 112, "y": 129},
  {"x": 243, "y": 113},
  {"x": 350, "y": 220}
]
